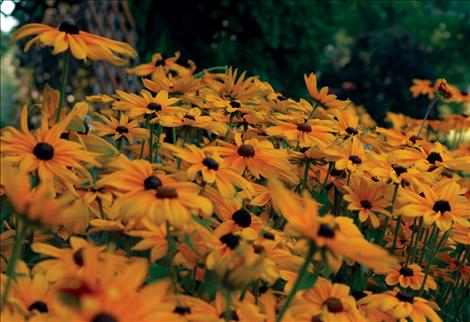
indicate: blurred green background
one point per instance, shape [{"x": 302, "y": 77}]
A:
[{"x": 368, "y": 51}]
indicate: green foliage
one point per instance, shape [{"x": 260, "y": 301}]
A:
[{"x": 366, "y": 51}]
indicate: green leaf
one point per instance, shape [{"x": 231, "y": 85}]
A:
[
  {"x": 211, "y": 283},
  {"x": 307, "y": 281},
  {"x": 157, "y": 272},
  {"x": 322, "y": 198}
]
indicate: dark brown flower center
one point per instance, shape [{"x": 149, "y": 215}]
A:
[
  {"x": 281, "y": 97},
  {"x": 231, "y": 240},
  {"x": 104, "y": 317},
  {"x": 355, "y": 159},
  {"x": 166, "y": 193},
  {"x": 351, "y": 131},
  {"x": 414, "y": 138},
  {"x": 304, "y": 127},
  {"x": 160, "y": 62},
  {"x": 258, "y": 249},
  {"x": 43, "y": 151},
  {"x": 211, "y": 164},
  {"x": 268, "y": 235},
  {"x": 406, "y": 271},
  {"x": 235, "y": 104},
  {"x": 78, "y": 257},
  {"x": 154, "y": 107},
  {"x": 246, "y": 150},
  {"x": 333, "y": 305},
  {"x": 358, "y": 295},
  {"x": 122, "y": 129},
  {"x": 405, "y": 297},
  {"x": 40, "y": 306},
  {"x": 366, "y": 204},
  {"x": 182, "y": 310},
  {"x": 442, "y": 206},
  {"x": 326, "y": 231},
  {"x": 399, "y": 169},
  {"x": 433, "y": 157},
  {"x": 316, "y": 318},
  {"x": 152, "y": 182},
  {"x": 242, "y": 218},
  {"x": 69, "y": 27}
]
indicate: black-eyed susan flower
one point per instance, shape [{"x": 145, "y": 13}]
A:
[
  {"x": 158, "y": 62},
  {"x": 194, "y": 118},
  {"x": 146, "y": 104},
  {"x": 442, "y": 204},
  {"x": 401, "y": 305},
  {"x": 367, "y": 198},
  {"x": 39, "y": 204},
  {"x": 322, "y": 97},
  {"x": 179, "y": 85},
  {"x": 153, "y": 237},
  {"x": 257, "y": 156},
  {"x": 307, "y": 133},
  {"x": 339, "y": 235},
  {"x": 349, "y": 154},
  {"x": 45, "y": 151},
  {"x": 117, "y": 129},
  {"x": 212, "y": 168},
  {"x": 410, "y": 276},
  {"x": 82, "y": 44},
  {"x": 326, "y": 302},
  {"x": 32, "y": 293}
]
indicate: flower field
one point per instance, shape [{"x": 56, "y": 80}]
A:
[{"x": 209, "y": 196}]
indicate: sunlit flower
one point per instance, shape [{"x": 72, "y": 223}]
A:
[
  {"x": 410, "y": 276},
  {"x": 82, "y": 44},
  {"x": 45, "y": 150}
]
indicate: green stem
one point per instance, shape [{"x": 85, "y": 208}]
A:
[
  {"x": 119, "y": 143},
  {"x": 228, "y": 306},
  {"x": 150, "y": 142},
  {"x": 330, "y": 167},
  {"x": 157, "y": 141},
  {"x": 434, "y": 252},
  {"x": 395, "y": 236},
  {"x": 63, "y": 84},
  {"x": 16, "y": 253},
  {"x": 201, "y": 73},
  {"x": 430, "y": 106},
  {"x": 419, "y": 235},
  {"x": 300, "y": 277},
  {"x": 305, "y": 179},
  {"x": 423, "y": 250}
]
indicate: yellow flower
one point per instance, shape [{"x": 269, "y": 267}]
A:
[
  {"x": 401, "y": 305},
  {"x": 119, "y": 129},
  {"x": 441, "y": 204},
  {"x": 322, "y": 97},
  {"x": 410, "y": 276},
  {"x": 45, "y": 151},
  {"x": 82, "y": 44},
  {"x": 367, "y": 198}
]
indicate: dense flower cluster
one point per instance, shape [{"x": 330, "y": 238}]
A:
[{"x": 210, "y": 196}]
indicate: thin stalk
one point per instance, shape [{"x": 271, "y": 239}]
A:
[
  {"x": 201, "y": 73},
  {"x": 434, "y": 252},
  {"x": 395, "y": 236},
  {"x": 430, "y": 106},
  {"x": 305, "y": 179},
  {"x": 63, "y": 84},
  {"x": 387, "y": 220},
  {"x": 425, "y": 242},
  {"x": 228, "y": 306},
  {"x": 150, "y": 142},
  {"x": 330, "y": 167},
  {"x": 119, "y": 143},
  {"x": 410, "y": 244},
  {"x": 418, "y": 238},
  {"x": 300, "y": 277},
  {"x": 16, "y": 253},
  {"x": 157, "y": 141}
]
